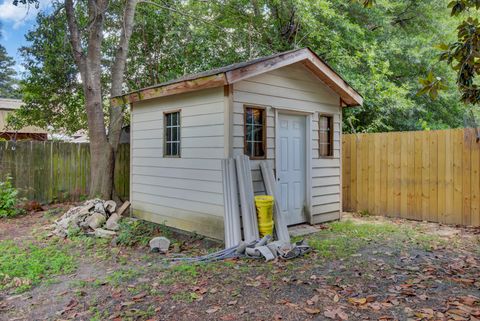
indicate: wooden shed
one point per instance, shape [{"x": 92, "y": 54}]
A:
[{"x": 285, "y": 108}]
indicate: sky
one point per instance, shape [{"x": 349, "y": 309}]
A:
[{"x": 15, "y": 21}]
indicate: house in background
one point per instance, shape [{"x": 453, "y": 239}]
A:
[
  {"x": 285, "y": 109},
  {"x": 8, "y": 105}
]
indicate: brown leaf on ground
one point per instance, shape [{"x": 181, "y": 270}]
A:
[
  {"x": 314, "y": 299},
  {"x": 139, "y": 296},
  {"x": 335, "y": 313},
  {"x": 213, "y": 309},
  {"x": 357, "y": 301},
  {"x": 311, "y": 310}
]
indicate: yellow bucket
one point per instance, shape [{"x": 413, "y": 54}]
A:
[{"x": 264, "y": 205}]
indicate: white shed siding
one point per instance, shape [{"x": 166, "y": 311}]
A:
[
  {"x": 294, "y": 88},
  {"x": 183, "y": 192}
]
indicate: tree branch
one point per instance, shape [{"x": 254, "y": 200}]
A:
[{"x": 78, "y": 54}]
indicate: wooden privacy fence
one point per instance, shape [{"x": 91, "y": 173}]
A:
[
  {"x": 56, "y": 171},
  {"x": 429, "y": 175}
]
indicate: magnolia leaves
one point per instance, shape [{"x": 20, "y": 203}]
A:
[
  {"x": 459, "y": 6},
  {"x": 431, "y": 85}
]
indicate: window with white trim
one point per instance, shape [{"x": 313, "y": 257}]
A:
[
  {"x": 325, "y": 132},
  {"x": 171, "y": 134},
  {"x": 255, "y": 130}
]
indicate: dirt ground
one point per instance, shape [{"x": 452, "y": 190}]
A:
[{"x": 361, "y": 269}]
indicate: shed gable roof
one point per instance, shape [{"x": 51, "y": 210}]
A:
[{"x": 236, "y": 72}]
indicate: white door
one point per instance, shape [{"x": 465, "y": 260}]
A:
[{"x": 291, "y": 163}]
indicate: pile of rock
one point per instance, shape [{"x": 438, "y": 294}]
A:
[{"x": 96, "y": 217}]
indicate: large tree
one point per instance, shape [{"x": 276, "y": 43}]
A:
[
  {"x": 76, "y": 58},
  {"x": 85, "y": 31}
]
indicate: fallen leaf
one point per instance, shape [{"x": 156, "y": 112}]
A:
[
  {"x": 213, "y": 309},
  {"x": 357, "y": 301},
  {"x": 139, "y": 296},
  {"x": 311, "y": 311}
]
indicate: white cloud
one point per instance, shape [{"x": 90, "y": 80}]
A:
[{"x": 18, "y": 15}]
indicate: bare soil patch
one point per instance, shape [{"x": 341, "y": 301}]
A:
[{"x": 361, "y": 269}]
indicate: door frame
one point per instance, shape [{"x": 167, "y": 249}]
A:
[{"x": 307, "y": 207}]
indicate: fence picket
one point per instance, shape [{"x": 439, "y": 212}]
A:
[
  {"x": 429, "y": 175},
  {"x": 53, "y": 171}
]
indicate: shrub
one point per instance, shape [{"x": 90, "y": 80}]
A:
[{"x": 9, "y": 199}]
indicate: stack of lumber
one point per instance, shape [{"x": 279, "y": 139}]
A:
[{"x": 240, "y": 214}]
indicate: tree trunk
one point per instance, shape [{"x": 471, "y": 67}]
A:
[
  {"x": 118, "y": 73},
  {"x": 102, "y": 147}
]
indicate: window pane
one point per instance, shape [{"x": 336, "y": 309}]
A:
[
  {"x": 324, "y": 149},
  {"x": 258, "y": 134},
  {"x": 324, "y": 122},
  {"x": 258, "y": 150},
  {"x": 257, "y": 116},
  {"x": 248, "y": 118},
  {"x": 175, "y": 133},
  {"x": 168, "y": 132},
  {"x": 324, "y": 137},
  {"x": 174, "y": 149},
  {"x": 174, "y": 119},
  {"x": 248, "y": 133},
  {"x": 250, "y": 148},
  {"x": 169, "y": 119}
]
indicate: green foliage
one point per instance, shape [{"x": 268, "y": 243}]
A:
[
  {"x": 22, "y": 267},
  {"x": 139, "y": 232},
  {"x": 381, "y": 47},
  {"x": 9, "y": 200},
  {"x": 52, "y": 92},
  {"x": 8, "y": 83}
]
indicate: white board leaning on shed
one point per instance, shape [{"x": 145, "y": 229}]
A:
[{"x": 283, "y": 109}]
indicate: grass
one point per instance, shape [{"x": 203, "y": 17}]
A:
[
  {"x": 345, "y": 238},
  {"x": 121, "y": 276},
  {"x": 139, "y": 232},
  {"x": 22, "y": 267}
]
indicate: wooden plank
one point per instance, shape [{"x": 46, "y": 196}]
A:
[
  {"x": 383, "y": 174},
  {"x": 425, "y": 176},
  {"x": 346, "y": 163},
  {"x": 371, "y": 174},
  {"x": 404, "y": 155},
  {"x": 377, "y": 141},
  {"x": 396, "y": 174},
  {"x": 475, "y": 182},
  {"x": 433, "y": 175},
  {"x": 457, "y": 177},
  {"x": 353, "y": 173},
  {"x": 390, "y": 175},
  {"x": 418, "y": 163},
  {"x": 410, "y": 175},
  {"x": 441, "y": 177},
  {"x": 363, "y": 201},
  {"x": 171, "y": 89},
  {"x": 449, "y": 175},
  {"x": 467, "y": 148}
]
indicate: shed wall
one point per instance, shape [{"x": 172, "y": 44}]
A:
[
  {"x": 294, "y": 88},
  {"x": 184, "y": 192}
]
